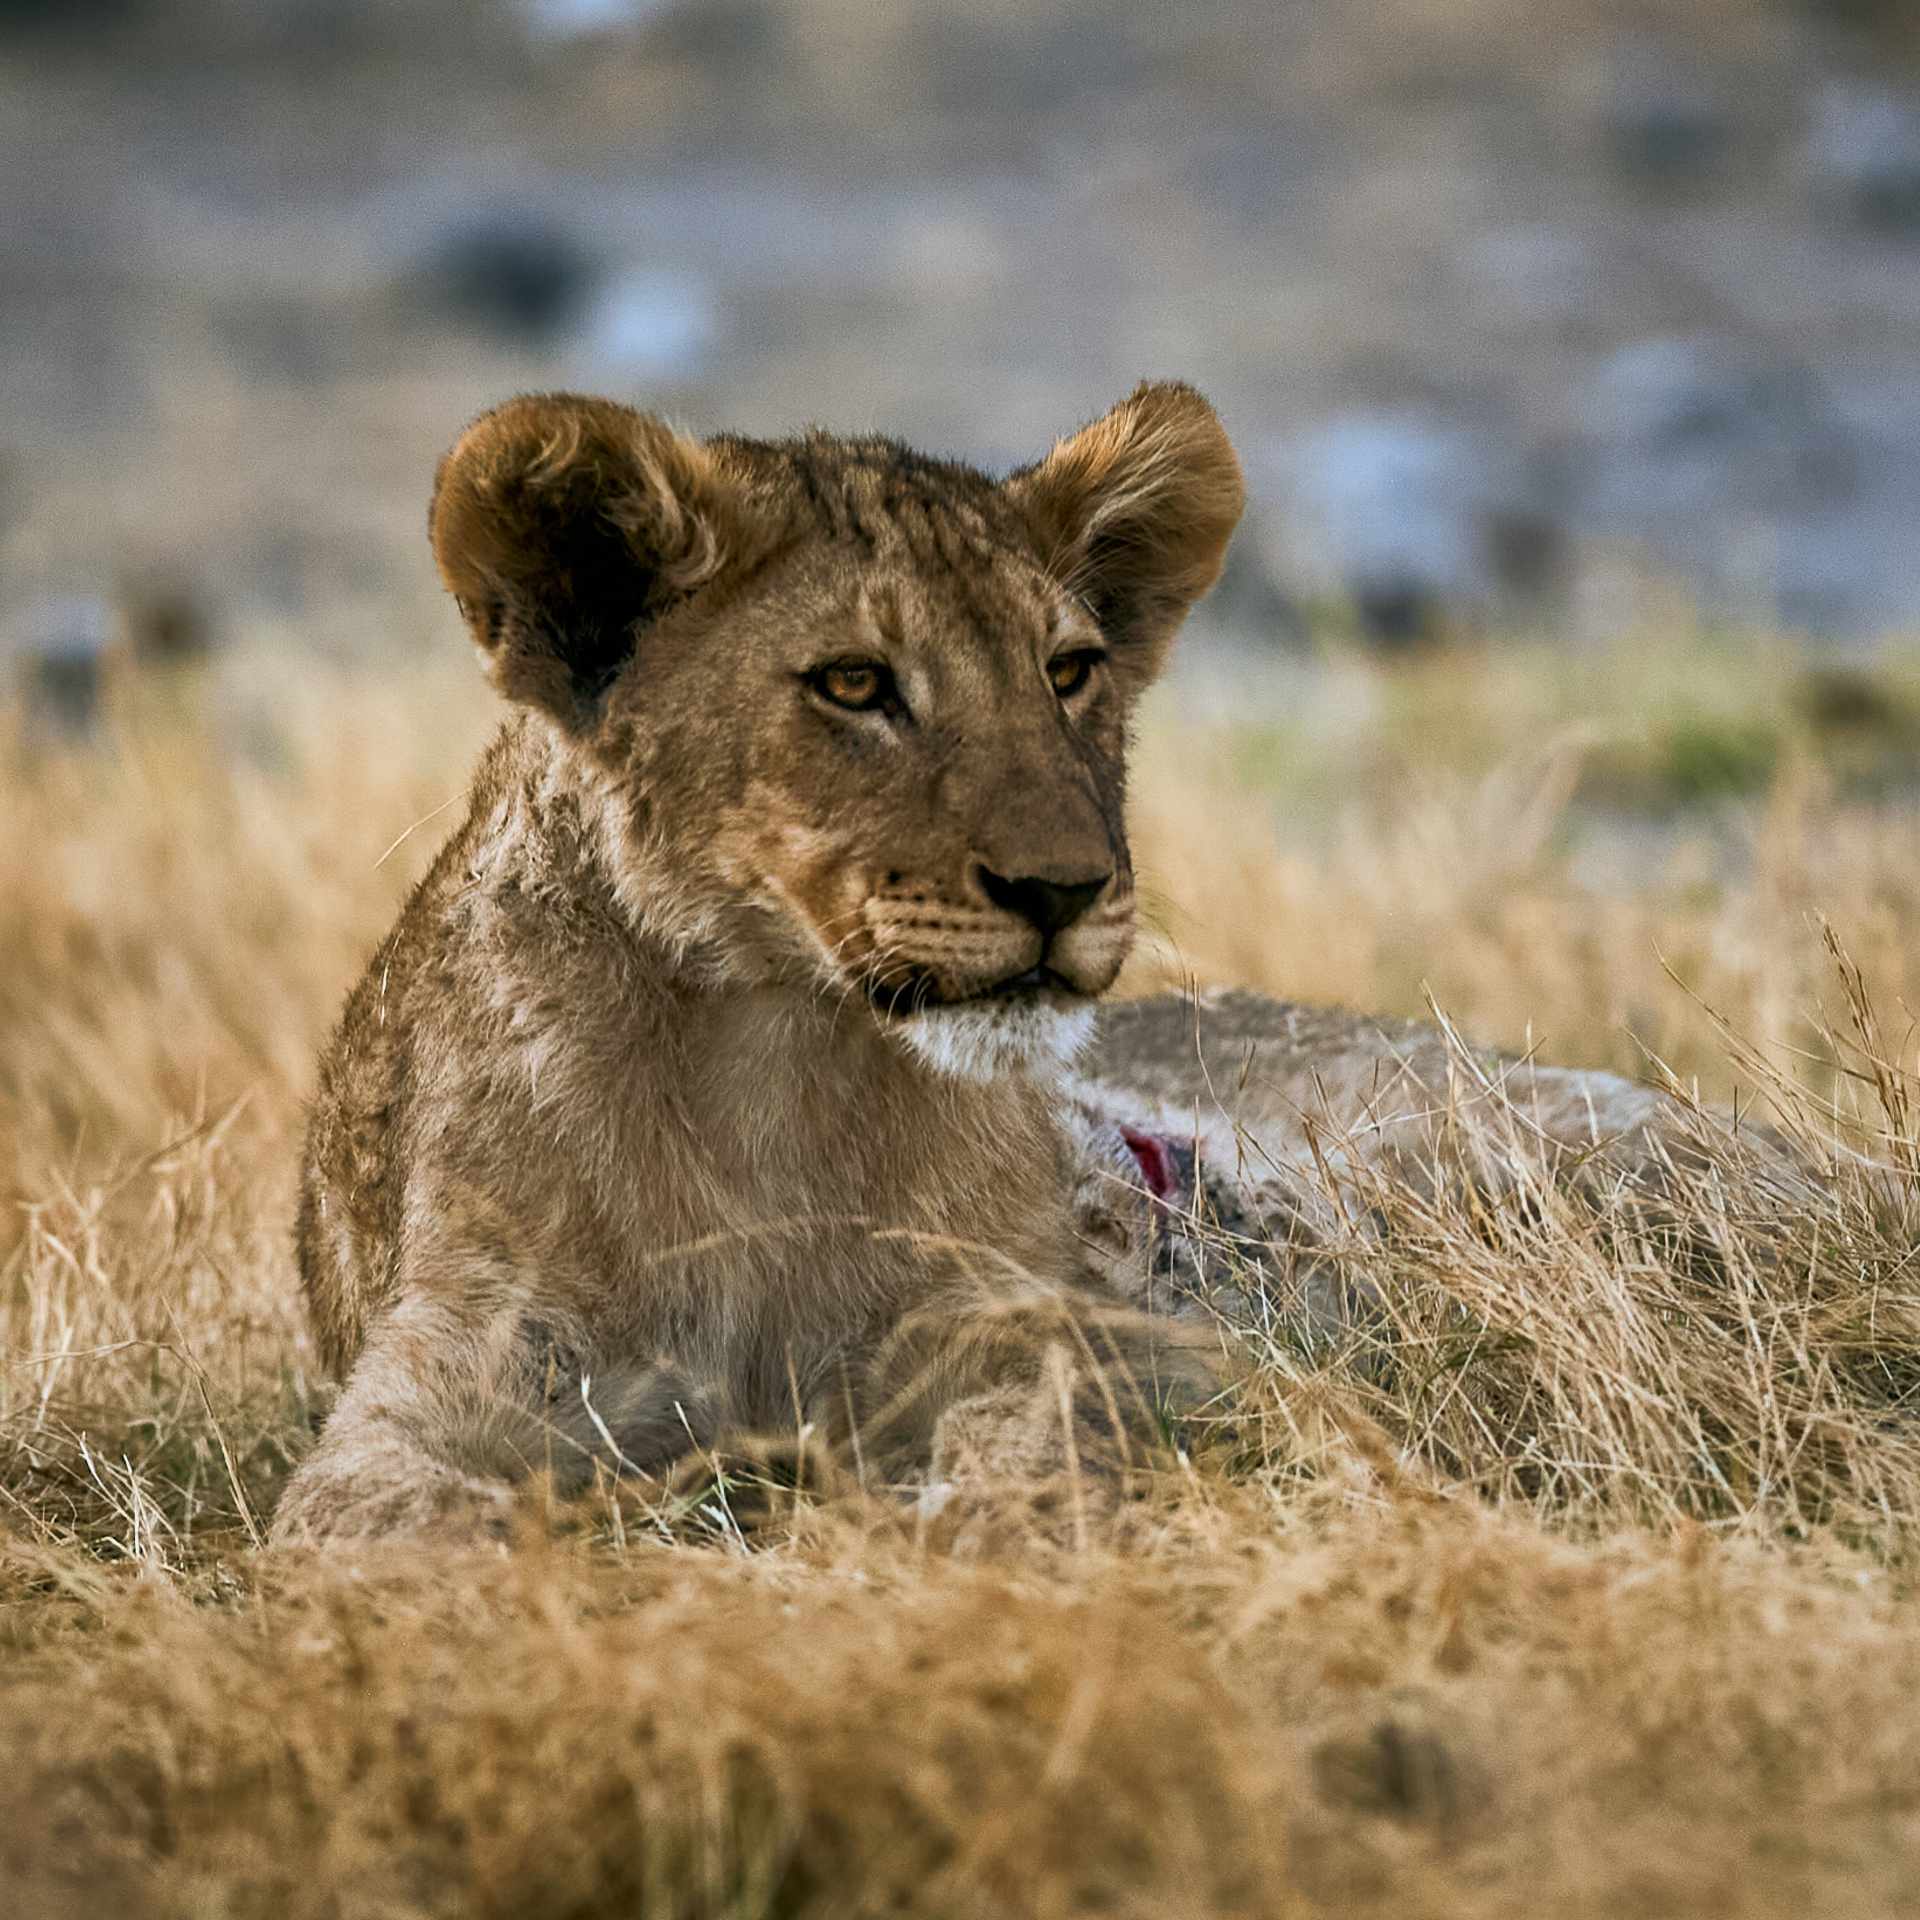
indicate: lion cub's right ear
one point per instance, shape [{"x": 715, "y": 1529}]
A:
[
  {"x": 563, "y": 526},
  {"x": 1135, "y": 512}
]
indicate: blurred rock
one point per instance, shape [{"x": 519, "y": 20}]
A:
[
  {"x": 513, "y": 273},
  {"x": 72, "y": 19},
  {"x": 167, "y": 625},
  {"x": 1847, "y": 698},
  {"x": 651, "y": 327},
  {"x": 1664, "y": 124},
  {"x": 1528, "y": 552},
  {"x": 1404, "y": 513},
  {"x": 62, "y": 646},
  {"x": 1248, "y": 601},
  {"x": 65, "y": 646},
  {"x": 1863, "y": 154},
  {"x": 1682, "y": 423},
  {"x": 1783, "y": 508},
  {"x": 1397, "y": 611},
  {"x": 588, "y": 19},
  {"x": 1741, "y": 473},
  {"x": 1662, "y": 250}
]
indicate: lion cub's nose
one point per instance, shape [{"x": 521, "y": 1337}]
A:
[{"x": 1048, "y": 905}]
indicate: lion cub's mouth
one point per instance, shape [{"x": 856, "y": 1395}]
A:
[
  {"x": 902, "y": 999},
  {"x": 1035, "y": 982}
]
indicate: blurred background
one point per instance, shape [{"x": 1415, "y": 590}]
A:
[
  {"x": 1561, "y": 319},
  {"x": 1519, "y": 309}
]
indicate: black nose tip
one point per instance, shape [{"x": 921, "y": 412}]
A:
[{"x": 1047, "y": 904}]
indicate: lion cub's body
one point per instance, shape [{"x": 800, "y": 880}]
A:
[
  {"x": 645, "y": 1166},
  {"x": 709, "y": 1078}
]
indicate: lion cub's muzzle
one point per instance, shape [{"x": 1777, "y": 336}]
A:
[{"x": 1031, "y": 937}]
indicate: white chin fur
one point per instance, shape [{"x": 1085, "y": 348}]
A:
[{"x": 980, "y": 1043}]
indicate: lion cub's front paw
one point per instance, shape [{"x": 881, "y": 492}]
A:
[{"x": 438, "y": 1507}]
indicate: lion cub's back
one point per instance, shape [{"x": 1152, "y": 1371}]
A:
[
  {"x": 350, "y": 1176},
  {"x": 353, "y": 1172}
]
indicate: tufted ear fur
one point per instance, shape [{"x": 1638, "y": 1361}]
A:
[
  {"x": 562, "y": 526},
  {"x": 1135, "y": 511}
]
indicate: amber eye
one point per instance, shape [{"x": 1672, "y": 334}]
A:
[
  {"x": 1067, "y": 673},
  {"x": 858, "y": 685}
]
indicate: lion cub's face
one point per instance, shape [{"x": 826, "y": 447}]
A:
[{"x": 860, "y": 717}]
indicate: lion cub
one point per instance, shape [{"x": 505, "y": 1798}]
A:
[
  {"x": 716, "y": 1077},
  {"x": 710, "y": 1077}
]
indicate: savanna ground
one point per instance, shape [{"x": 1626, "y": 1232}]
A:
[{"x": 1594, "y": 1593}]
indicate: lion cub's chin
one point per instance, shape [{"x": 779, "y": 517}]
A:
[{"x": 981, "y": 1042}]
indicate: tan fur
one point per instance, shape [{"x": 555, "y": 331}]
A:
[{"x": 681, "y": 1100}]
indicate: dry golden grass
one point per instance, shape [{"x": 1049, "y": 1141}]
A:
[{"x": 1591, "y": 1593}]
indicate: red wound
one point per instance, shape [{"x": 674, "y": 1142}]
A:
[{"x": 1153, "y": 1155}]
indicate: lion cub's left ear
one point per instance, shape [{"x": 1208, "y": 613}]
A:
[
  {"x": 564, "y": 527},
  {"x": 1135, "y": 511}
]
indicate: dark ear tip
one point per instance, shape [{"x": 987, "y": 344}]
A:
[
  {"x": 1174, "y": 403},
  {"x": 1175, "y": 407},
  {"x": 1173, "y": 394}
]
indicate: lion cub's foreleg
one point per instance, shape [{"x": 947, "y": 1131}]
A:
[
  {"x": 448, "y": 1411},
  {"x": 406, "y": 1451}
]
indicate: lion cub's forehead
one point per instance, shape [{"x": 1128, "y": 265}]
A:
[
  {"x": 866, "y": 489},
  {"x": 1005, "y": 611},
  {"x": 916, "y": 553}
]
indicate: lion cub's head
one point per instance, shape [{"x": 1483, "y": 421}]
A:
[{"x": 859, "y": 718}]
